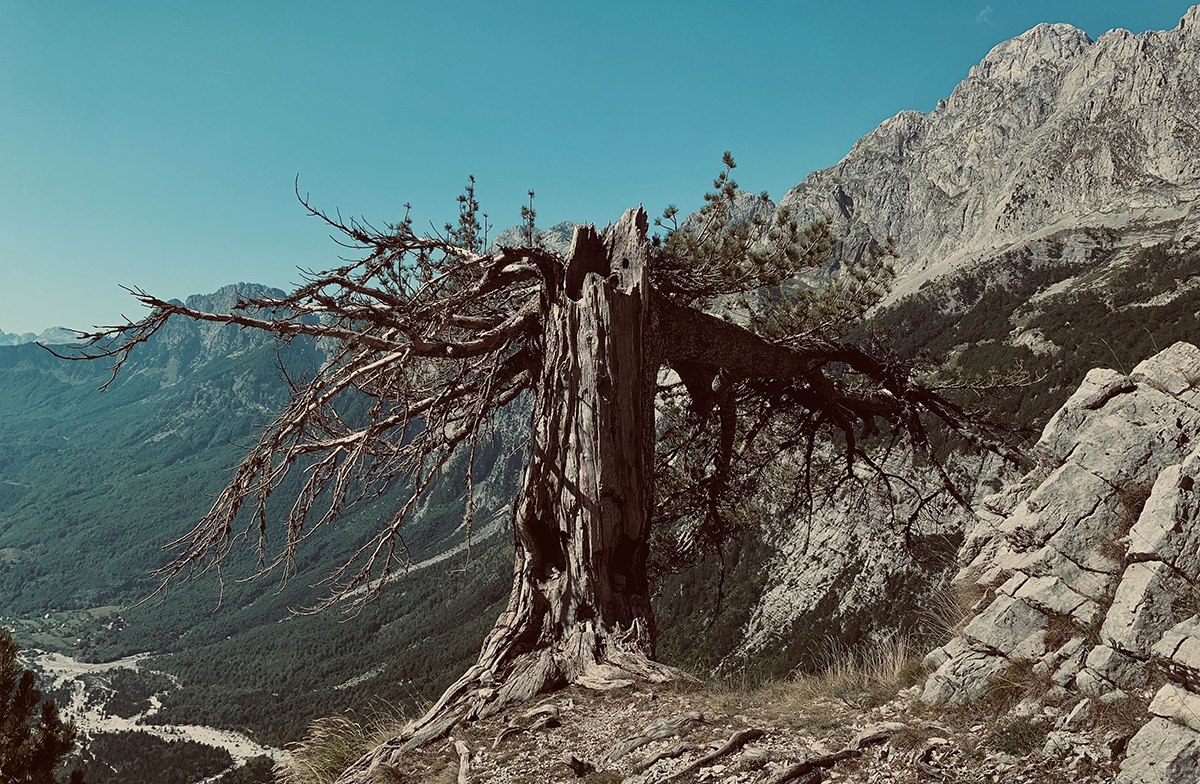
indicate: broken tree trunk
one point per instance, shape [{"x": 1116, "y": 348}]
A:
[{"x": 579, "y": 611}]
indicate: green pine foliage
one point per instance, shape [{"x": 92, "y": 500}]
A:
[
  {"x": 728, "y": 248},
  {"x": 468, "y": 233},
  {"x": 121, "y": 757},
  {"x": 33, "y": 737},
  {"x": 530, "y": 235}
]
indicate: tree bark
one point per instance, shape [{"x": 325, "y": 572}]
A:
[{"x": 579, "y": 611}]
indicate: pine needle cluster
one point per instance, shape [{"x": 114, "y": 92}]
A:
[{"x": 33, "y": 737}]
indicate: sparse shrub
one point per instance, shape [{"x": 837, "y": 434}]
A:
[
  {"x": 1128, "y": 715},
  {"x": 1187, "y": 603},
  {"x": 1154, "y": 383},
  {"x": 1130, "y": 502},
  {"x": 909, "y": 738},
  {"x": 1060, "y": 630},
  {"x": 1016, "y": 683},
  {"x": 603, "y": 777},
  {"x": 972, "y": 749},
  {"x": 1017, "y": 735},
  {"x": 1133, "y": 500}
]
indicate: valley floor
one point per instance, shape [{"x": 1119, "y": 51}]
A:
[{"x": 86, "y": 705}]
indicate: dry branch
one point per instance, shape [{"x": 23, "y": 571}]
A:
[
  {"x": 464, "y": 761},
  {"x": 813, "y": 765}
]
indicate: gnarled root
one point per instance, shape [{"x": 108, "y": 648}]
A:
[{"x": 590, "y": 657}]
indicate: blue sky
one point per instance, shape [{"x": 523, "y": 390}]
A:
[{"x": 156, "y": 143}]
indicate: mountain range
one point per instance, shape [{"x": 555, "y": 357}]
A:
[{"x": 51, "y": 336}]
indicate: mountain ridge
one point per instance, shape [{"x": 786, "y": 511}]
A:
[{"x": 1050, "y": 128}]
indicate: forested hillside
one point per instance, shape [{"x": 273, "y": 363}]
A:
[{"x": 94, "y": 484}]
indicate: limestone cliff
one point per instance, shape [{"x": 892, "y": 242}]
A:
[
  {"x": 1091, "y": 563},
  {"x": 1052, "y": 132}
]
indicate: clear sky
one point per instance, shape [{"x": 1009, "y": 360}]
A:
[{"x": 156, "y": 143}]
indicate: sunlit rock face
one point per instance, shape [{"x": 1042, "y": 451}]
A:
[
  {"x": 1051, "y": 131},
  {"x": 1090, "y": 578}
]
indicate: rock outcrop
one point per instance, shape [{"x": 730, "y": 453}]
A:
[{"x": 1091, "y": 566}]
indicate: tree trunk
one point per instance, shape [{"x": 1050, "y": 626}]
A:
[{"x": 579, "y": 611}]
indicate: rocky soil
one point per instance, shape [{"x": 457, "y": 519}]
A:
[{"x": 782, "y": 733}]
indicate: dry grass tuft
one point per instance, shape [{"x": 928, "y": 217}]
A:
[
  {"x": 1061, "y": 629},
  {"x": 1126, "y": 716},
  {"x": 1020, "y": 681},
  {"x": 333, "y": 743},
  {"x": 947, "y": 612},
  {"x": 868, "y": 677}
]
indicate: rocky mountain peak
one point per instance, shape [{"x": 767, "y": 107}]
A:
[
  {"x": 1051, "y": 129},
  {"x": 1046, "y": 45},
  {"x": 223, "y": 299}
]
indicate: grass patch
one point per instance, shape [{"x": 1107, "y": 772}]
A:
[
  {"x": 1187, "y": 603},
  {"x": 868, "y": 677},
  {"x": 1131, "y": 501},
  {"x": 1061, "y": 629},
  {"x": 1126, "y": 716},
  {"x": 947, "y": 612},
  {"x": 1016, "y": 683},
  {"x": 910, "y": 738},
  {"x": 333, "y": 743}
]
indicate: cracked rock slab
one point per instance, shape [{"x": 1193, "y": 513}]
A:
[
  {"x": 1156, "y": 534},
  {"x": 1109, "y": 669},
  {"x": 1179, "y": 652},
  {"x": 1143, "y": 607},
  {"x": 1176, "y": 703},
  {"x": 1004, "y": 625},
  {"x": 1162, "y": 752},
  {"x": 1173, "y": 370},
  {"x": 963, "y": 678}
]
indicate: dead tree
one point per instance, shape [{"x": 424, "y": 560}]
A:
[{"x": 439, "y": 335}]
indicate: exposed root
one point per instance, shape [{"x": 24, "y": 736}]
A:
[
  {"x": 678, "y": 750},
  {"x": 738, "y": 740},
  {"x": 580, "y": 767},
  {"x": 663, "y": 728},
  {"x": 464, "y": 761},
  {"x": 544, "y": 717},
  {"x": 793, "y": 774},
  {"x": 589, "y": 658}
]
